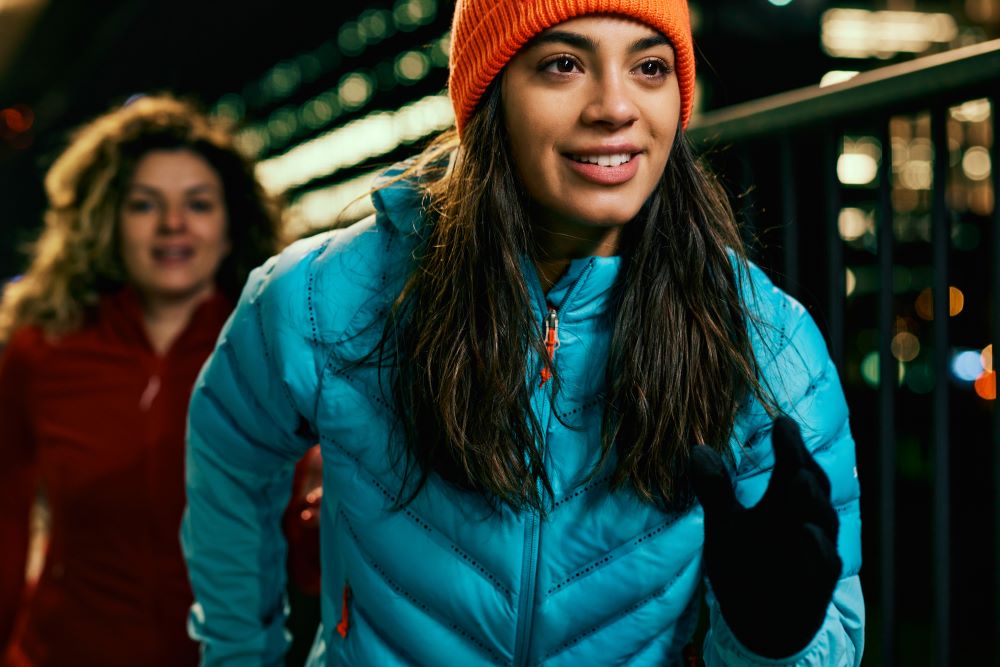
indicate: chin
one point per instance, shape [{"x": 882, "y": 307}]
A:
[
  {"x": 608, "y": 216},
  {"x": 177, "y": 292}
]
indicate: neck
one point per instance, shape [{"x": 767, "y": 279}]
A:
[
  {"x": 166, "y": 318},
  {"x": 558, "y": 242}
]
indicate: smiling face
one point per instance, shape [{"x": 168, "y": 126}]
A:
[
  {"x": 173, "y": 226},
  {"x": 591, "y": 108}
]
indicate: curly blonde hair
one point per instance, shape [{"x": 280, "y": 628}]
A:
[{"x": 76, "y": 258}]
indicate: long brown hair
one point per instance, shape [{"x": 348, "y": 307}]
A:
[
  {"x": 76, "y": 257},
  {"x": 462, "y": 331}
]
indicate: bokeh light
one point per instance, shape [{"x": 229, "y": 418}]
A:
[
  {"x": 350, "y": 39},
  {"x": 854, "y": 223},
  {"x": 870, "y": 370},
  {"x": 859, "y": 33},
  {"x": 18, "y": 118},
  {"x": 850, "y": 282},
  {"x": 986, "y": 386},
  {"x": 905, "y": 346},
  {"x": 855, "y": 169},
  {"x": 973, "y": 111},
  {"x": 924, "y": 303},
  {"x": 967, "y": 365},
  {"x": 976, "y": 164},
  {"x": 355, "y": 90},
  {"x": 376, "y": 24},
  {"x": 412, "y": 66}
]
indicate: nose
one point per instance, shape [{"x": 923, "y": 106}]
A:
[
  {"x": 172, "y": 220},
  {"x": 611, "y": 104}
]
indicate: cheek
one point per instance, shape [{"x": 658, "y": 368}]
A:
[
  {"x": 531, "y": 148},
  {"x": 663, "y": 135},
  {"x": 213, "y": 228},
  {"x": 219, "y": 236},
  {"x": 131, "y": 238}
]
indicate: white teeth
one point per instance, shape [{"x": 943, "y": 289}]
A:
[{"x": 605, "y": 160}]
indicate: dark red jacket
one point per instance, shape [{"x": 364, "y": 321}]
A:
[{"x": 97, "y": 421}]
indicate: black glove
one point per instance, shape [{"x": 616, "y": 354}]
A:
[{"x": 773, "y": 566}]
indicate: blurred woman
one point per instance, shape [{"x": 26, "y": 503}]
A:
[{"x": 154, "y": 220}]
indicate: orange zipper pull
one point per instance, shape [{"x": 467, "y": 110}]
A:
[
  {"x": 551, "y": 343},
  {"x": 345, "y": 619}
]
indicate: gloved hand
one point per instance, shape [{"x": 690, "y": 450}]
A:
[{"x": 773, "y": 566}]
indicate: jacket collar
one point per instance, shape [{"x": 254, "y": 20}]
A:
[
  {"x": 120, "y": 314},
  {"x": 583, "y": 291}
]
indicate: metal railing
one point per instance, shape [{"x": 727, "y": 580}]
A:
[{"x": 802, "y": 131}]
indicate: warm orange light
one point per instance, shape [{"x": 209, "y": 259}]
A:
[
  {"x": 987, "y": 356},
  {"x": 956, "y": 301},
  {"x": 986, "y": 386},
  {"x": 905, "y": 346},
  {"x": 19, "y": 118},
  {"x": 924, "y": 305}
]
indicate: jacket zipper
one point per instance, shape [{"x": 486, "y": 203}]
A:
[
  {"x": 551, "y": 335},
  {"x": 533, "y": 527},
  {"x": 529, "y": 570}
]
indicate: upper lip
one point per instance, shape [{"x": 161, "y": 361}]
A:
[{"x": 606, "y": 149}]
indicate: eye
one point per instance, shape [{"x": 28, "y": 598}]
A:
[
  {"x": 139, "y": 205},
  {"x": 561, "y": 65},
  {"x": 202, "y": 205},
  {"x": 654, "y": 68}
]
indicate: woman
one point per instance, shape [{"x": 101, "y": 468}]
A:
[
  {"x": 509, "y": 370},
  {"x": 153, "y": 222}
]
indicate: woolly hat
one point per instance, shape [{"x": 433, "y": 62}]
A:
[{"x": 486, "y": 34}]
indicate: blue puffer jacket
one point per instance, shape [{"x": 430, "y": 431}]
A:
[{"x": 603, "y": 580}]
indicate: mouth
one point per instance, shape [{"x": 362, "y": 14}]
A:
[
  {"x": 608, "y": 161},
  {"x": 170, "y": 254},
  {"x": 605, "y": 169}
]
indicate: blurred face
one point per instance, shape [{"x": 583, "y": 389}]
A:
[
  {"x": 173, "y": 226},
  {"x": 591, "y": 108}
]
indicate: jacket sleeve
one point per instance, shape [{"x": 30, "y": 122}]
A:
[
  {"x": 247, "y": 425},
  {"x": 18, "y": 478},
  {"x": 797, "y": 368}
]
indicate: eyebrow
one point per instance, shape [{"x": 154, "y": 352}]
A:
[
  {"x": 587, "y": 44},
  {"x": 194, "y": 189}
]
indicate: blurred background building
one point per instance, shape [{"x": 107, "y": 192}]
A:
[{"x": 865, "y": 191}]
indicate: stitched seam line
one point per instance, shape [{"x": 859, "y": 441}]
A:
[
  {"x": 559, "y": 504},
  {"x": 436, "y": 535},
  {"x": 631, "y": 609},
  {"x": 259, "y": 318},
  {"x": 341, "y": 372},
  {"x": 368, "y": 306},
  {"x": 479, "y": 644},
  {"x": 310, "y": 283},
  {"x": 391, "y": 645},
  {"x": 627, "y": 548},
  {"x": 586, "y": 406}
]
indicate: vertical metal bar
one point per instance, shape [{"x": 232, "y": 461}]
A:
[
  {"x": 835, "y": 248},
  {"x": 941, "y": 243},
  {"x": 888, "y": 372},
  {"x": 995, "y": 300},
  {"x": 789, "y": 216}
]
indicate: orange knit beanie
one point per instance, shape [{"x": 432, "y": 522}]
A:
[{"x": 486, "y": 34}]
